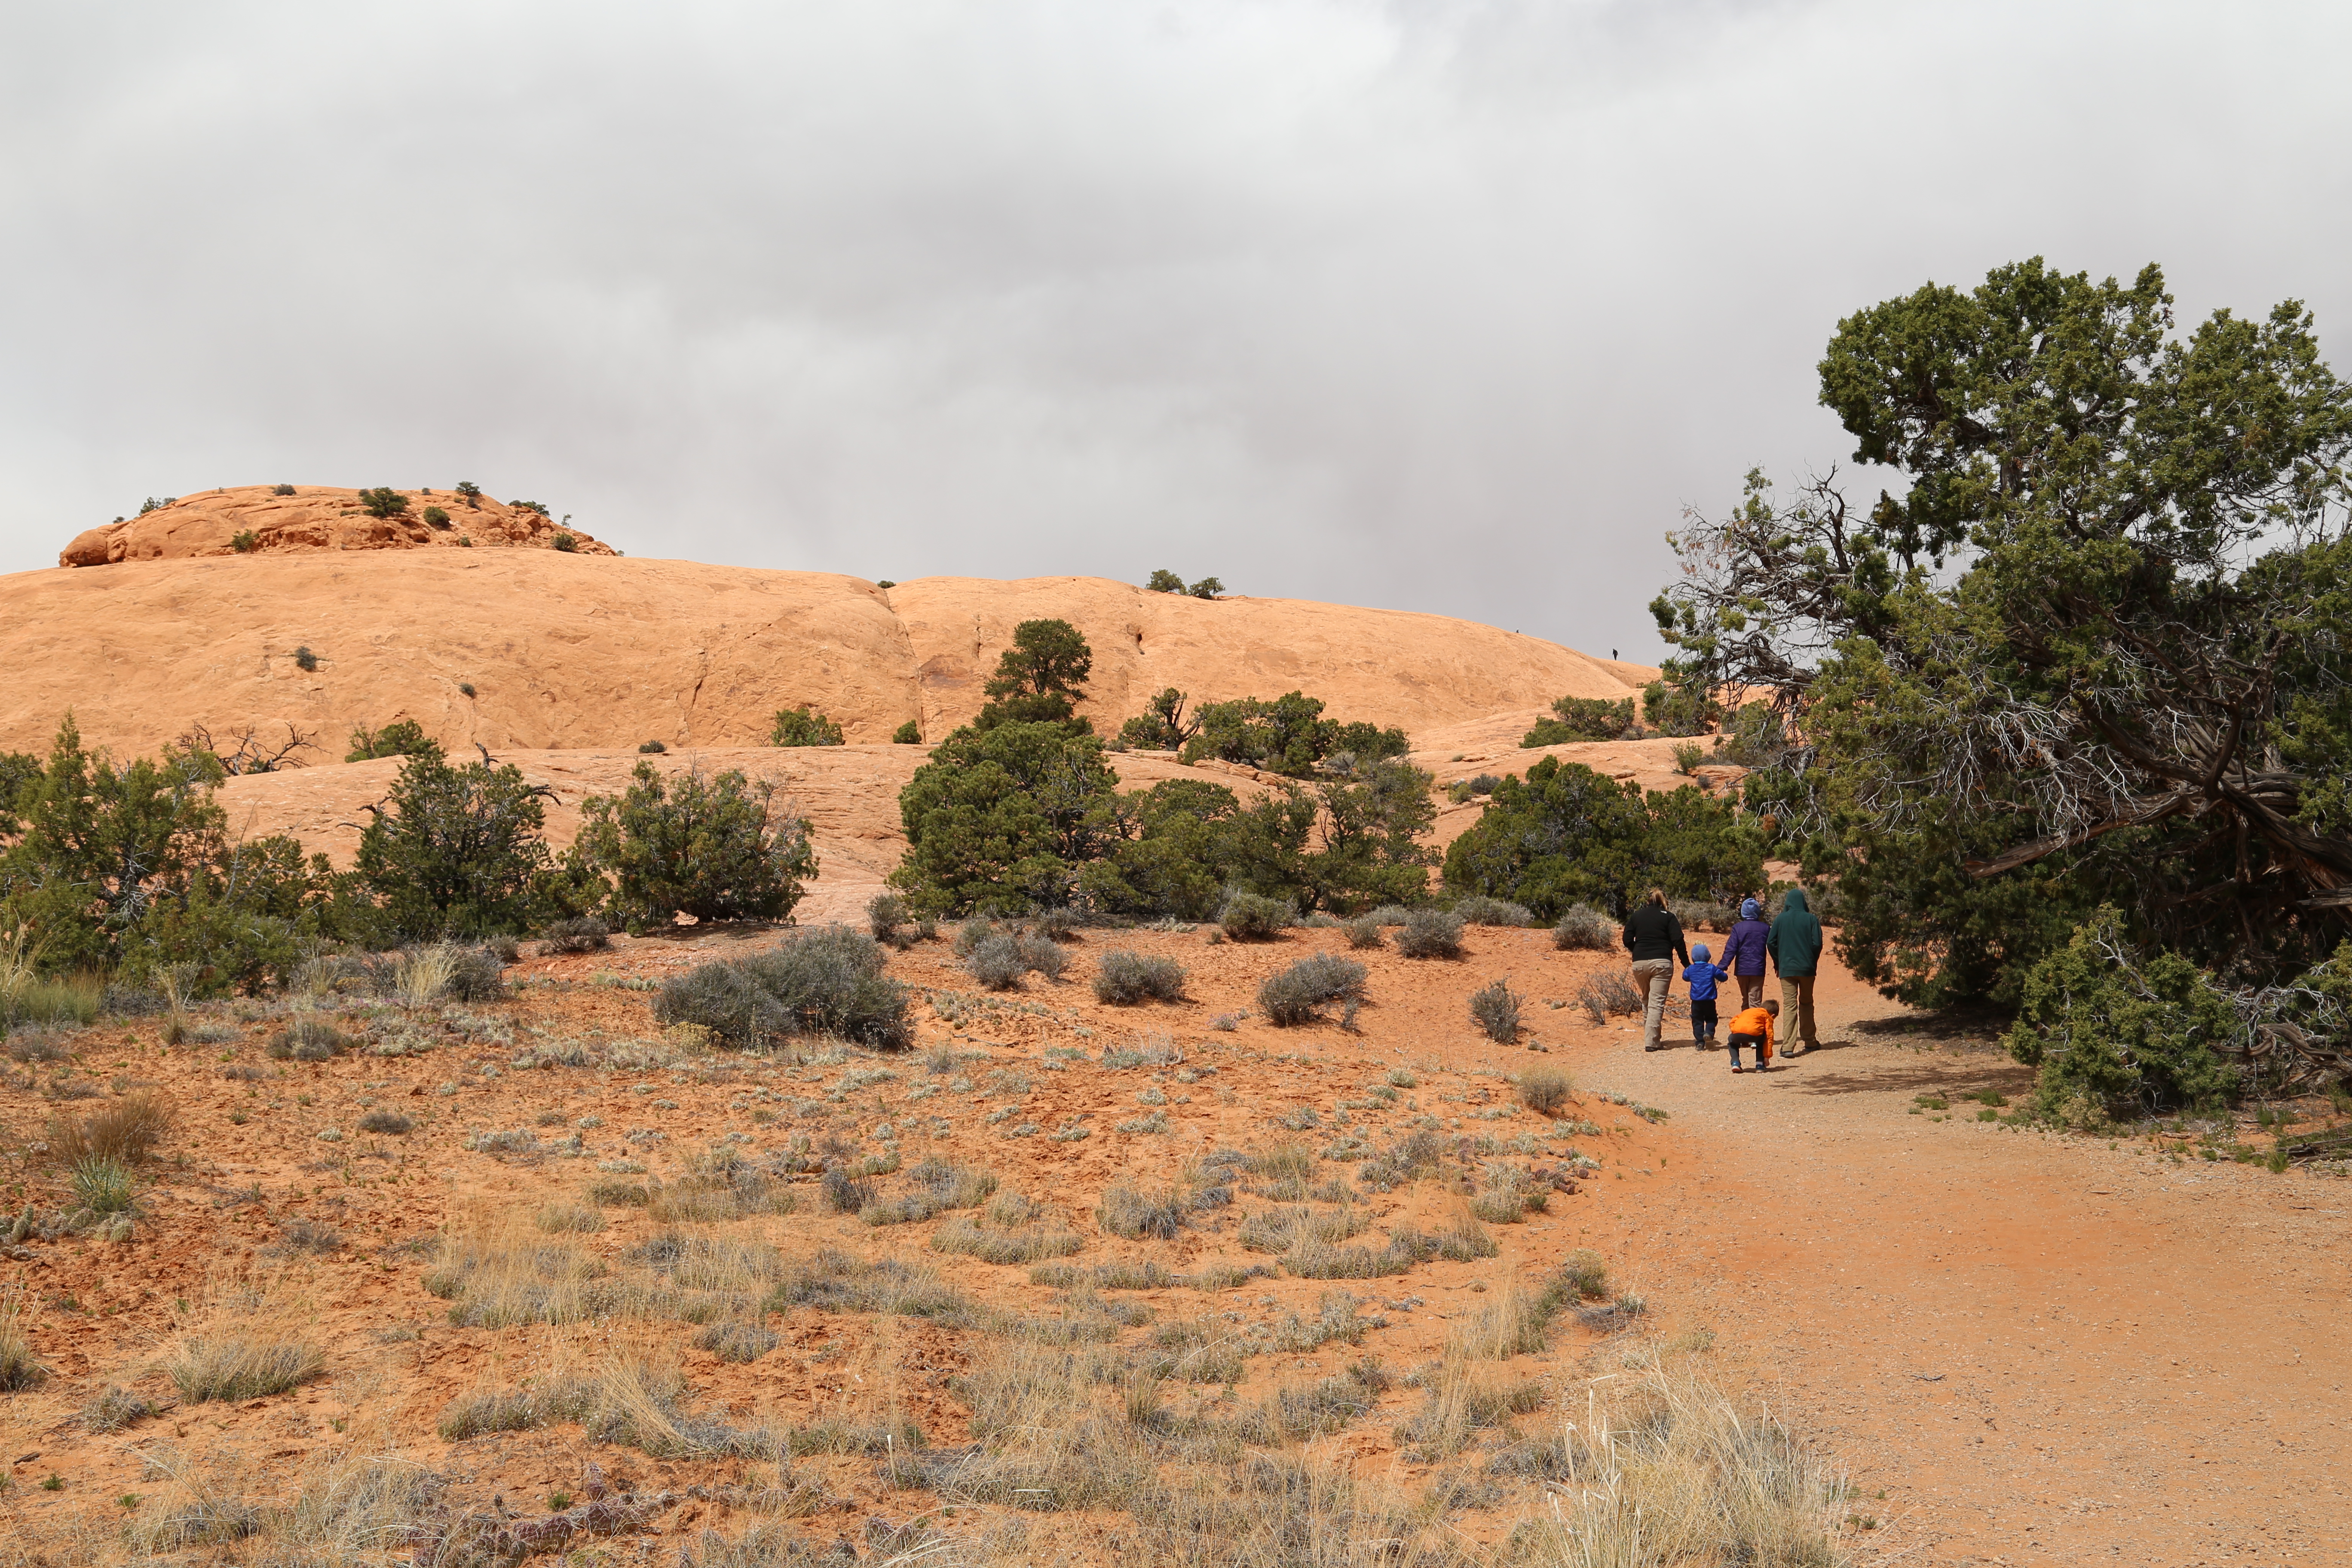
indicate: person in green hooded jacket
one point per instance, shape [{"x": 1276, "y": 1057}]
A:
[{"x": 1795, "y": 945}]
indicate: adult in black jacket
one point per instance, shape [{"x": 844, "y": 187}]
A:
[{"x": 1654, "y": 937}]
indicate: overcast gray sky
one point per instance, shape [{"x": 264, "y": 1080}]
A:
[{"x": 1447, "y": 307}]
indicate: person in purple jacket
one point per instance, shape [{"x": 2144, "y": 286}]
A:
[{"x": 1743, "y": 952}]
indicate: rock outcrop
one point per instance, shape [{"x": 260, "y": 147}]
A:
[{"x": 254, "y": 519}]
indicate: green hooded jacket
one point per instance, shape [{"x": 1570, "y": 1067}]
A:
[{"x": 1795, "y": 943}]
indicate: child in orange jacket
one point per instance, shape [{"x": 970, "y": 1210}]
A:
[{"x": 1753, "y": 1028}]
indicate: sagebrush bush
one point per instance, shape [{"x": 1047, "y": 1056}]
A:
[
  {"x": 885, "y": 913},
  {"x": 1495, "y": 1008},
  {"x": 1364, "y": 931},
  {"x": 1431, "y": 934},
  {"x": 1128, "y": 1211},
  {"x": 1545, "y": 1090},
  {"x": 1248, "y": 916},
  {"x": 827, "y": 981},
  {"x": 1126, "y": 978},
  {"x": 1298, "y": 995},
  {"x": 1583, "y": 928},
  {"x": 1607, "y": 996},
  {"x": 996, "y": 963},
  {"x": 1480, "y": 911},
  {"x": 392, "y": 1122},
  {"x": 584, "y": 934}
]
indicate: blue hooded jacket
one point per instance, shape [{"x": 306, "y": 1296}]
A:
[
  {"x": 1704, "y": 977},
  {"x": 1743, "y": 952}
]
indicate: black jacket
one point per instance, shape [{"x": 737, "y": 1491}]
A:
[{"x": 1654, "y": 933}]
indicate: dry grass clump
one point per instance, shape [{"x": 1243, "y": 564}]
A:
[
  {"x": 1666, "y": 1471},
  {"x": 573, "y": 1218},
  {"x": 736, "y": 1340},
  {"x": 127, "y": 1132},
  {"x": 524, "y": 1409},
  {"x": 1335, "y": 1318},
  {"x": 835, "y": 1281},
  {"x": 615, "y": 1192},
  {"x": 1463, "y": 1241},
  {"x": 235, "y": 1362},
  {"x": 1027, "y": 1244},
  {"x": 499, "y": 1276},
  {"x": 1195, "y": 1352},
  {"x": 115, "y": 1409},
  {"x": 1283, "y": 1229},
  {"x": 933, "y": 1187},
  {"x": 1128, "y": 1211},
  {"x": 393, "y": 1123},
  {"x": 20, "y": 1368},
  {"x": 877, "y": 1439},
  {"x": 1459, "y": 1403},
  {"x": 1330, "y": 1404}
]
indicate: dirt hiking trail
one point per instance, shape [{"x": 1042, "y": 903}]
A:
[{"x": 2041, "y": 1349}]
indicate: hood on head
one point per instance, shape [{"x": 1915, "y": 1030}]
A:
[
  {"x": 1698, "y": 954},
  {"x": 1796, "y": 901},
  {"x": 1750, "y": 909}
]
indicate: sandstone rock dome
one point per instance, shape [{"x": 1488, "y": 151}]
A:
[
  {"x": 254, "y": 519},
  {"x": 534, "y": 648}
]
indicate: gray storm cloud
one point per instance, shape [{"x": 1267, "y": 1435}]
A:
[{"x": 1449, "y": 307}]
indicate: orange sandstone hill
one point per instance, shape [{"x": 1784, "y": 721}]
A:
[
  {"x": 541, "y": 649},
  {"x": 254, "y": 519}
]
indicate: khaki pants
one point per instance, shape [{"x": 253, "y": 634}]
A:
[
  {"x": 1751, "y": 991},
  {"x": 1797, "y": 1010},
  {"x": 1652, "y": 977}
]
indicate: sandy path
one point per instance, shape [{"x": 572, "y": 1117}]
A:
[{"x": 2045, "y": 1350}]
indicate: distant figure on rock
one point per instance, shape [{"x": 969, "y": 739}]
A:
[
  {"x": 1655, "y": 937},
  {"x": 1796, "y": 956},
  {"x": 1753, "y": 1028},
  {"x": 1743, "y": 952},
  {"x": 1703, "y": 978}
]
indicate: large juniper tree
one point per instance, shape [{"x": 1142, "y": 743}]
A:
[{"x": 2091, "y": 651}]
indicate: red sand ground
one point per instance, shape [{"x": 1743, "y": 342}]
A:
[{"x": 2039, "y": 1349}]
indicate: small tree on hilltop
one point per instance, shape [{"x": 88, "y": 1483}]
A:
[
  {"x": 803, "y": 726},
  {"x": 1206, "y": 588},
  {"x": 1041, "y": 679},
  {"x": 383, "y": 501},
  {"x": 709, "y": 847},
  {"x": 472, "y": 492},
  {"x": 453, "y": 851},
  {"x": 1164, "y": 581}
]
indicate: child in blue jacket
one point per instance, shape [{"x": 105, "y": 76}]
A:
[{"x": 1704, "y": 976}]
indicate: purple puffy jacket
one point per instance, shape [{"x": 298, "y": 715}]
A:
[{"x": 1743, "y": 950}]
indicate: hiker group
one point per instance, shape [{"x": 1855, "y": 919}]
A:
[{"x": 1790, "y": 946}]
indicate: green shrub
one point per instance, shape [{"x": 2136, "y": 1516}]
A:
[
  {"x": 435, "y": 517},
  {"x": 281, "y": 489},
  {"x": 803, "y": 726},
  {"x": 1565, "y": 835},
  {"x": 1289, "y": 735},
  {"x": 304, "y": 660},
  {"x": 1249, "y": 918},
  {"x": 1163, "y": 581},
  {"x": 564, "y": 542},
  {"x": 458, "y": 851},
  {"x": 539, "y": 507},
  {"x": 1431, "y": 934},
  {"x": 652, "y": 747},
  {"x": 243, "y": 541},
  {"x": 1001, "y": 819},
  {"x": 383, "y": 501},
  {"x": 472, "y": 493},
  {"x": 1126, "y": 978},
  {"x": 1689, "y": 755},
  {"x": 391, "y": 1123},
  {"x": 2118, "y": 1035},
  {"x": 1162, "y": 726},
  {"x": 910, "y": 734},
  {"x": 1206, "y": 588},
  {"x": 401, "y": 737},
  {"x": 1584, "y": 719},
  {"x": 104, "y": 1186},
  {"x": 1495, "y": 1008},
  {"x": 711, "y": 848},
  {"x": 1298, "y": 995}
]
